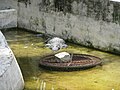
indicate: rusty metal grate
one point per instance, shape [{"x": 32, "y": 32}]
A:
[{"x": 79, "y": 62}]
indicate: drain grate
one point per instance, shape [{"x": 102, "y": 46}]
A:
[{"x": 79, "y": 61}]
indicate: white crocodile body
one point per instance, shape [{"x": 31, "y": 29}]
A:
[{"x": 56, "y": 43}]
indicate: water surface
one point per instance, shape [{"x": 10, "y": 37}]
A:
[{"x": 28, "y": 49}]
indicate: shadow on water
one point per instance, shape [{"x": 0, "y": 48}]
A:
[{"x": 29, "y": 48}]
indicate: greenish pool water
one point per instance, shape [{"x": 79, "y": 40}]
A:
[{"x": 28, "y": 50}]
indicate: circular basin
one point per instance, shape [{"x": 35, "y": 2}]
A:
[{"x": 79, "y": 62}]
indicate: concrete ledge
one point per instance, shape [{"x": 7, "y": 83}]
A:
[
  {"x": 8, "y": 18},
  {"x": 10, "y": 73}
]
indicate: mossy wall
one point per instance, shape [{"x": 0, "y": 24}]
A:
[{"x": 97, "y": 9}]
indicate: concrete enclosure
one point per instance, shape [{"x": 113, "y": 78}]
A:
[{"x": 93, "y": 23}]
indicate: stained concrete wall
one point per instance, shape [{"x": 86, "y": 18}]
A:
[
  {"x": 10, "y": 74},
  {"x": 93, "y": 23},
  {"x": 8, "y": 18}
]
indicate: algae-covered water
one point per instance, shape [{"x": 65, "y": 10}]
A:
[{"x": 28, "y": 49}]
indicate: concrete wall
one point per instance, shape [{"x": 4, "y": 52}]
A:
[
  {"x": 93, "y": 23},
  {"x": 8, "y": 18},
  {"x": 8, "y": 4},
  {"x": 10, "y": 74}
]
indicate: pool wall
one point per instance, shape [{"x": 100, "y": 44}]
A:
[
  {"x": 8, "y": 4},
  {"x": 92, "y": 23},
  {"x": 10, "y": 74},
  {"x": 8, "y": 18}
]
